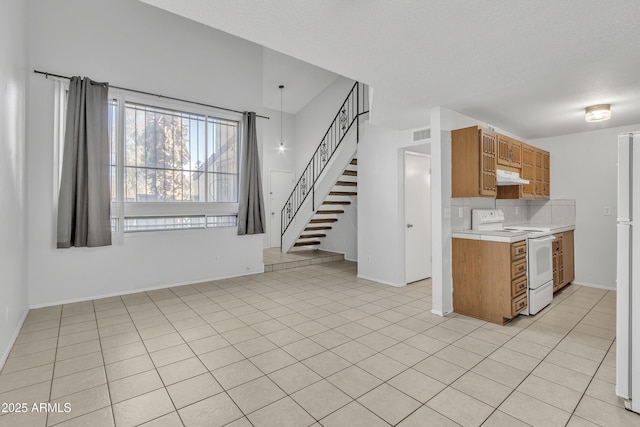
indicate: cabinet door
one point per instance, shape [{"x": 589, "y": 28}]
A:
[
  {"x": 503, "y": 150},
  {"x": 515, "y": 153},
  {"x": 488, "y": 156},
  {"x": 539, "y": 173},
  {"x": 546, "y": 174},
  {"x": 568, "y": 254},
  {"x": 554, "y": 263},
  {"x": 528, "y": 171}
]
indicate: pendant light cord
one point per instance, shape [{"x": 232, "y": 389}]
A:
[{"x": 281, "y": 142}]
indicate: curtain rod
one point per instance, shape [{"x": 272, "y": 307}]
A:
[{"x": 153, "y": 94}]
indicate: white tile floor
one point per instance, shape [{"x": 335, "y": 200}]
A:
[{"x": 313, "y": 345}]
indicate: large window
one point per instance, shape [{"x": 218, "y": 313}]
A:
[
  {"x": 171, "y": 166},
  {"x": 173, "y": 156}
]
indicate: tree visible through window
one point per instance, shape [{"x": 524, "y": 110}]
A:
[{"x": 174, "y": 156}]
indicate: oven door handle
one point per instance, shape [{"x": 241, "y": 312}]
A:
[{"x": 544, "y": 239}]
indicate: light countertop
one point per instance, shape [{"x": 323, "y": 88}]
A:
[{"x": 512, "y": 236}]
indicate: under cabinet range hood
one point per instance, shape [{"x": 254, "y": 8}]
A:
[{"x": 504, "y": 177}]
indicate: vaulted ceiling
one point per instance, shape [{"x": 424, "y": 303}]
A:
[{"x": 529, "y": 67}]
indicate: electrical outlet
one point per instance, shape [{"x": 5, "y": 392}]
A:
[
  {"x": 460, "y": 212},
  {"x": 447, "y": 213},
  {"x": 607, "y": 210},
  {"x": 368, "y": 258}
]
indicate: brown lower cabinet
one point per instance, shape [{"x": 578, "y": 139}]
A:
[
  {"x": 489, "y": 279},
  {"x": 563, "y": 260}
]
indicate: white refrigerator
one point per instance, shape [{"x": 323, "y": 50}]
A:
[{"x": 628, "y": 272}]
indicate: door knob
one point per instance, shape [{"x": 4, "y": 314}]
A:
[{"x": 409, "y": 225}]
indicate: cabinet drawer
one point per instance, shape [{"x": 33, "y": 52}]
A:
[
  {"x": 518, "y": 250},
  {"x": 558, "y": 242},
  {"x": 518, "y": 268},
  {"x": 518, "y": 304},
  {"x": 518, "y": 286}
]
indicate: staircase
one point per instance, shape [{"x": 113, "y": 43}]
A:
[
  {"x": 341, "y": 195},
  {"x": 328, "y": 184}
]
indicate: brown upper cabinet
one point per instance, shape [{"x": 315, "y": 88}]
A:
[
  {"x": 542, "y": 189},
  {"x": 539, "y": 156},
  {"x": 476, "y": 153},
  {"x": 473, "y": 162},
  {"x": 546, "y": 174},
  {"x": 528, "y": 191},
  {"x": 509, "y": 152}
]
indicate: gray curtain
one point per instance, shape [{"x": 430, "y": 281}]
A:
[
  {"x": 250, "y": 204},
  {"x": 84, "y": 200}
]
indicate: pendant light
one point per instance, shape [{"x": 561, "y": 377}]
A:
[{"x": 281, "y": 147}]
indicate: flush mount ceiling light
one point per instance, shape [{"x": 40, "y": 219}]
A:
[
  {"x": 281, "y": 147},
  {"x": 597, "y": 113}
]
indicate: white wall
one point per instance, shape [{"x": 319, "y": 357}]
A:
[
  {"x": 314, "y": 119},
  {"x": 134, "y": 45},
  {"x": 583, "y": 167},
  {"x": 275, "y": 160},
  {"x": 381, "y": 203},
  {"x": 13, "y": 253},
  {"x": 380, "y": 226}
]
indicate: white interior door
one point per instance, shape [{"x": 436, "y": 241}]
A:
[
  {"x": 280, "y": 186},
  {"x": 417, "y": 213}
]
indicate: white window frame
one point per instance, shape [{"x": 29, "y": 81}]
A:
[{"x": 121, "y": 210}]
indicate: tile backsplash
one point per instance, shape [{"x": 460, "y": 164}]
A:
[{"x": 559, "y": 211}]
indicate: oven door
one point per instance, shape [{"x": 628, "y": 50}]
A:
[{"x": 540, "y": 260}]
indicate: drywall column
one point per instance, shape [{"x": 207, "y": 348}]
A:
[{"x": 440, "y": 202}]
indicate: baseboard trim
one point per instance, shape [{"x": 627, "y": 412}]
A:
[
  {"x": 593, "y": 285},
  {"x": 13, "y": 339},
  {"x": 382, "y": 282},
  {"x": 151, "y": 288}
]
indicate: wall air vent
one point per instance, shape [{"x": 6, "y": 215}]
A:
[{"x": 421, "y": 134}]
